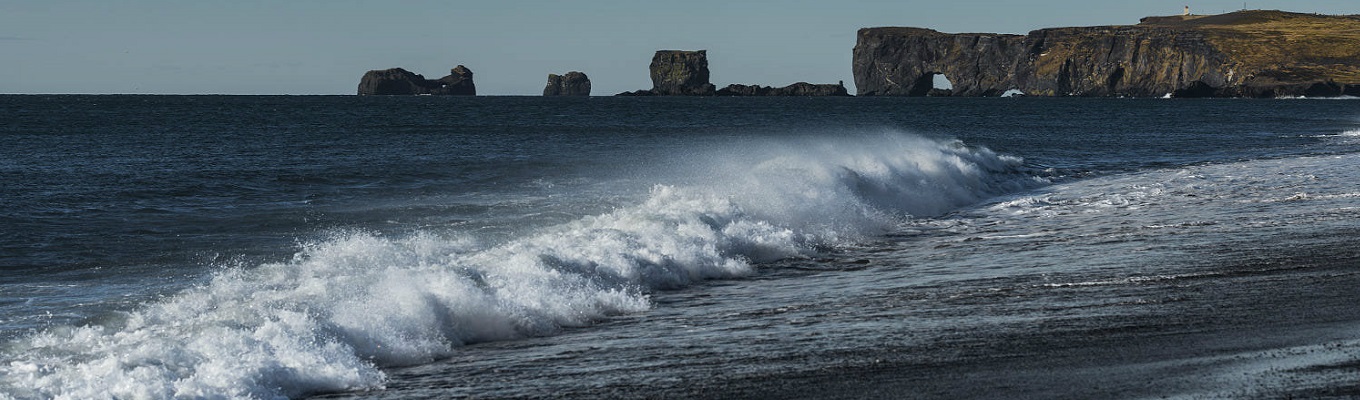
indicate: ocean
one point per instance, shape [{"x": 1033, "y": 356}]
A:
[{"x": 525, "y": 247}]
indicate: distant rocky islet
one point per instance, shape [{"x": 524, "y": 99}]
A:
[
  {"x": 397, "y": 81},
  {"x": 673, "y": 72},
  {"x": 1261, "y": 54},
  {"x": 574, "y": 83}
]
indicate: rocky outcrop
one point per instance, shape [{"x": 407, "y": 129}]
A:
[
  {"x": 678, "y": 73},
  {"x": 685, "y": 73},
  {"x": 394, "y": 81},
  {"x": 397, "y": 81},
  {"x": 1243, "y": 54},
  {"x": 797, "y": 89},
  {"x": 681, "y": 73},
  {"x": 636, "y": 93},
  {"x": 573, "y": 83},
  {"x": 458, "y": 82},
  {"x": 904, "y": 61}
]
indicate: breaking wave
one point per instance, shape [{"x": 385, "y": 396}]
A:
[{"x": 353, "y": 302}]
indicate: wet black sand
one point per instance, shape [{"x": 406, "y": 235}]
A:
[
  {"x": 1278, "y": 321},
  {"x": 1277, "y": 328}
]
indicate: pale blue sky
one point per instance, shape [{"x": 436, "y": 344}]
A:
[{"x": 324, "y": 46}]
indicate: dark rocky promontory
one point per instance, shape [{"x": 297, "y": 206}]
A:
[
  {"x": 1241, "y": 54},
  {"x": 397, "y": 81},
  {"x": 797, "y": 89},
  {"x": 573, "y": 83}
]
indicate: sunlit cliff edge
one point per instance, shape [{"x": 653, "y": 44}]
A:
[{"x": 1240, "y": 54}]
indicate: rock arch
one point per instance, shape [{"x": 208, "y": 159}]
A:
[
  {"x": 975, "y": 64},
  {"x": 932, "y": 84}
]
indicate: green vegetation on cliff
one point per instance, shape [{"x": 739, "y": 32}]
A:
[
  {"x": 1285, "y": 46},
  {"x": 1241, "y": 54}
]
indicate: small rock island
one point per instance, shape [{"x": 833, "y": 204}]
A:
[
  {"x": 573, "y": 83},
  {"x": 796, "y": 89},
  {"x": 397, "y": 81},
  {"x": 1240, "y": 54},
  {"x": 685, "y": 73},
  {"x": 678, "y": 73}
]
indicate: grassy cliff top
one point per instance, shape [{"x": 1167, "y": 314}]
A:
[{"x": 1286, "y": 46}]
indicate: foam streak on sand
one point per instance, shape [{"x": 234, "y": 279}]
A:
[{"x": 344, "y": 306}]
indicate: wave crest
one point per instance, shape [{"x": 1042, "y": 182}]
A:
[{"x": 346, "y": 305}]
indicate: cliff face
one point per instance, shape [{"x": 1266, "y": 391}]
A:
[
  {"x": 1245, "y": 54},
  {"x": 1119, "y": 61},
  {"x": 571, "y": 84},
  {"x": 397, "y": 81},
  {"x": 904, "y": 61}
]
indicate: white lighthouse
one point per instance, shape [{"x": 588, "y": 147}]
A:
[{"x": 1187, "y": 11}]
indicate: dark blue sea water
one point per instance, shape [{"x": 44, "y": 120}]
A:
[{"x": 434, "y": 247}]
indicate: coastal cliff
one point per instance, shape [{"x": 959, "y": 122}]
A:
[
  {"x": 1242, "y": 54},
  {"x": 397, "y": 81}
]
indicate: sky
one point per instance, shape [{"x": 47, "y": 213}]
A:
[{"x": 305, "y": 47}]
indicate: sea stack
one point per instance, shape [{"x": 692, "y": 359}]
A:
[
  {"x": 573, "y": 83},
  {"x": 681, "y": 73},
  {"x": 1240, "y": 54},
  {"x": 685, "y": 73},
  {"x": 457, "y": 83},
  {"x": 397, "y": 81}
]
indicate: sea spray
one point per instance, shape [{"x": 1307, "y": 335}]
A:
[
  {"x": 858, "y": 183},
  {"x": 356, "y": 301}
]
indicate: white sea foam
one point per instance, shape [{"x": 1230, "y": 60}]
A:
[
  {"x": 1344, "y": 134},
  {"x": 1317, "y": 98},
  {"x": 347, "y": 305}
]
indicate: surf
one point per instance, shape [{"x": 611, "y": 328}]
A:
[{"x": 352, "y": 302}]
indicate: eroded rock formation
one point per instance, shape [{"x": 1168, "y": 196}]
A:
[
  {"x": 685, "y": 73},
  {"x": 573, "y": 83},
  {"x": 641, "y": 92},
  {"x": 397, "y": 81},
  {"x": 681, "y": 73},
  {"x": 796, "y": 89},
  {"x": 1243, "y": 54}
]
